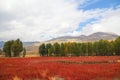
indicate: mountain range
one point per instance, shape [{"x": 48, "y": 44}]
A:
[{"x": 82, "y": 38}]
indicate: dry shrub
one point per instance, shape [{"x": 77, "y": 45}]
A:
[
  {"x": 17, "y": 78},
  {"x": 44, "y": 73},
  {"x": 55, "y": 78}
]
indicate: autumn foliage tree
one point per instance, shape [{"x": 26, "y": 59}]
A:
[
  {"x": 7, "y": 48},
  {"x": 62, "y": 49},
  {"x": 117, "y": 46},
  {"x": 47, "y": 48},
  {"x": 17, "y": 47},
  {"x": 104, "y": 47},
  {"x": 24, "y": 52},
  {"x": 98, "y": 48},
  {"x": 42, "y": 50},
  {"x": 0, "y": 51},
  {"x": 56, "y": 49},
  {"x": 13, "y": 48},
  {"x": 51, "y": 50}
]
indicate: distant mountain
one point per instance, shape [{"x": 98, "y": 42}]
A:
[
  {"x": 1, "y": 44},
  {"x": 29, "y": 43},
  {"x": 31, "y": 47},
  {"x": 25, "y": 44},
  {"x": 83, "y": 38},
  {"x": 102, "y": 35}
]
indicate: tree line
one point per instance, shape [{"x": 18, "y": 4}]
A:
[
  {"x": 98, "y": 48},
  {"x": 13, "y": 48}
]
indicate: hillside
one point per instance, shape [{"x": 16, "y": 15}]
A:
[{"x": 83, "y": 38}]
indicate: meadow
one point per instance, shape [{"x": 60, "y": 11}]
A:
[{"x": 61, "y": 68}]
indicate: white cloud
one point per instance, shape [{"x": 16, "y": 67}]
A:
[
  {"x": 39, "y": 20},
  {"x": 110, "y": 22}
]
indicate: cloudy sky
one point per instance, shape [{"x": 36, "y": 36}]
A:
[{"x": 41, "y": 20}]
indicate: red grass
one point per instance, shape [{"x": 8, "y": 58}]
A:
[{"x": 45, "y": 68}]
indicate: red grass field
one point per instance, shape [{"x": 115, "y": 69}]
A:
[{"x": 63, "y": 68}]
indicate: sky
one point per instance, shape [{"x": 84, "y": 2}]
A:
[{"x": 42, "y": 20}]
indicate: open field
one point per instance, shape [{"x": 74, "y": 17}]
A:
[{"x": 61, "y": 68}]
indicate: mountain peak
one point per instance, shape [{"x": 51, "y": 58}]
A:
[{"x": 103, "y": 33}]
